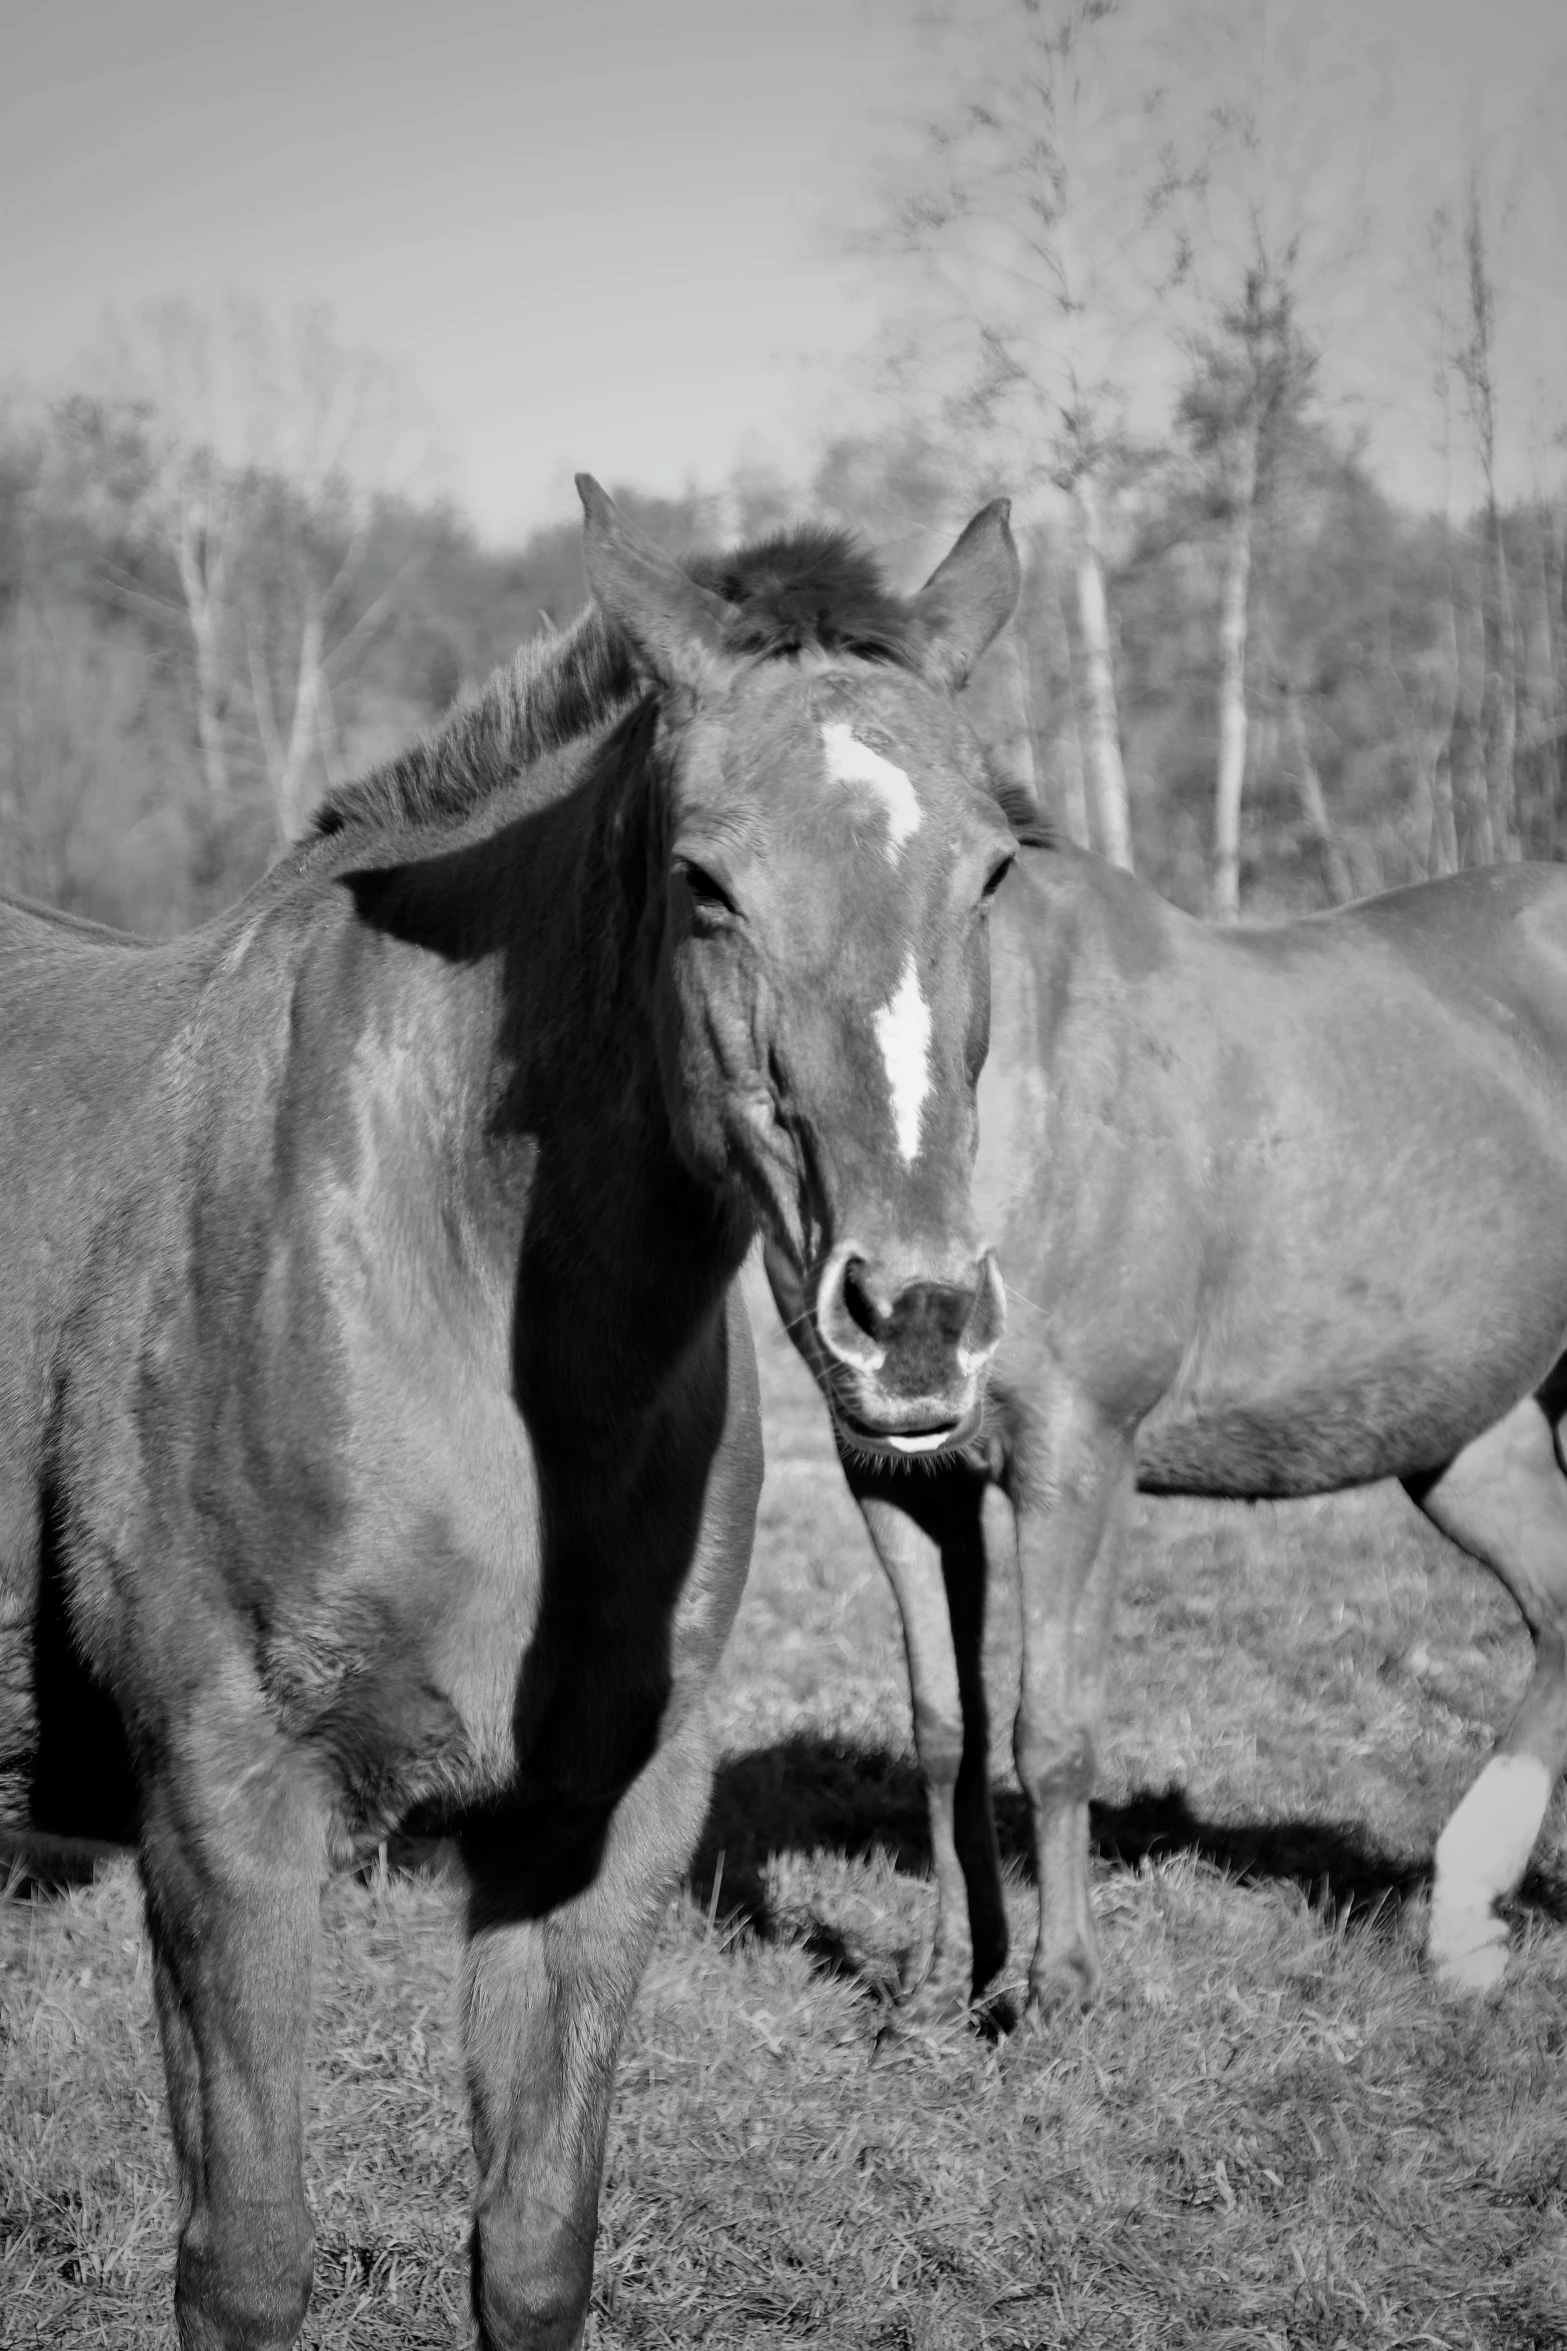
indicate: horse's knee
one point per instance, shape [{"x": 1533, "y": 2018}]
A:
[
  {"x": 1059, "y": 1761},
  {"x": 938, "y": 1741},
  {"x": 242, "y": 2283}
]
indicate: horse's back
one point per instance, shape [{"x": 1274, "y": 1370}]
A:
[
  {"x": 1295, "y": 1197},
  {"x": 84, "y": 1017}
]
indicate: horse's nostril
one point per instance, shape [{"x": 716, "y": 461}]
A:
[{"x": 861, "y": 1300}]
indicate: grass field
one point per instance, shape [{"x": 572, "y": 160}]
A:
[{"x": 1271, "y": 2134}]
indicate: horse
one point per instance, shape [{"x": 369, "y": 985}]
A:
[
  {"x": 1280, "y": 1211},
  {"x": 378, "y": 1414}
]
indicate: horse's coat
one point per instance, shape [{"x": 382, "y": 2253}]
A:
[
  {"x": 1279, "y": 1211},
  {"x": 378, "y": 1422}
]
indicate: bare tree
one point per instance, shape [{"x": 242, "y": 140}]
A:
[
  {"x": 75, "y": 777},
  {"x": 1485, "y": 721},
  {"x": 267, "y": 448},
  {"x": 1040, "y": 214},
  {"x": 1274, "y": 229},
  {"x": 1248, "y": 385}
]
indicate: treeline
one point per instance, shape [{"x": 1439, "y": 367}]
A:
[{"x": 192, "y": 648}]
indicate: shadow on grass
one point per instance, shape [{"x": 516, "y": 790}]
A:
[
  {"x": 808, "y": 1795},
  {"x": 38, "y": 1867}
]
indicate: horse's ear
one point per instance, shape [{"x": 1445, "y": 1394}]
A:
[
  {"x": 674, "y": 627},
  {"x": 969, "y": 597}
]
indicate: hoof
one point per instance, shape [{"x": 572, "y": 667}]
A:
[
  {"x": 1065, "y": 1989},
  {"x": 994, "y": 2014},
  {"x": 940, "y": 1999},
  {"x": 1468, "y": 1953}
]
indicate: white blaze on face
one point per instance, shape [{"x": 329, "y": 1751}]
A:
[
  {"x": 849, "y": 761},
  {"x": 903, "y": 1033}
]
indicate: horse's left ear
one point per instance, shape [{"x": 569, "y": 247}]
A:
[
  {"x": 969, "y": 597},
  {"x": 674, "y": 627}
]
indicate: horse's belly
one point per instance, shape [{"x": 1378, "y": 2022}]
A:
[{"x": 1330, "y": 1424}]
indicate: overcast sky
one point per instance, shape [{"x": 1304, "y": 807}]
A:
[{"x": 601, "y": 232}]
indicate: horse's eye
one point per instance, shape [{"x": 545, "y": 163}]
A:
[
  {"x": 708, "y": 895},
  {"x": 998, "y": 875}
]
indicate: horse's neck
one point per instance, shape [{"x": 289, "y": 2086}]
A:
[
  {"x": 1073, "y": 953},
  {"x": 539, "y": 1039}
]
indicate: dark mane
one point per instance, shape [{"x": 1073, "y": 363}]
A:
[
  {"x": 801, "y": 591},
  {"x": 1019, "y": 804},
  {"x": 1031, "y": 829},
  {"x": 551, "y": 693},
  {"x": 809, "y": 590}
]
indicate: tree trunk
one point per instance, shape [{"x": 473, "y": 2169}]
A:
[
  {"x": 1434, "y": 747},
  {"x": 1465, "y": 744},
  {"x": 1501, "y": 694},
  {"x": 1232, "y": 677},
  {"x": 1073, "y": 796},
  {"x": 1104, "y": 729},
  {"x": 1535, "y": 746},
  {"x": 200, "y": 570},
  {"x": 1336, "y": 876},
  {"x": 288, "y": 762},
  {"x": 1553, "y": 776}
]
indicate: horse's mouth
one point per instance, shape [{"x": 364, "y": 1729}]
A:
[{"x": 911, "y": 1442}]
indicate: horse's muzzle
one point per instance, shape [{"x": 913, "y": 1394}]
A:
[{"x": 907, "y": 1360}]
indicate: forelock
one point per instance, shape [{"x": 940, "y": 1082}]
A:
[{"x": 808, "y": 591}]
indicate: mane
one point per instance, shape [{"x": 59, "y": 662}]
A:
[
  {"x": 551, "y": 693},
  {"x": 1018, "y": 802},
  {"x": 798, "y": 592}
]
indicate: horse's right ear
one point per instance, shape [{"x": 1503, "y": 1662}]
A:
[{"x": 675, "y": 628}]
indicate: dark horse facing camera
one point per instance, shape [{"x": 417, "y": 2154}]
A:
[{"x": 378, "y": 1423}]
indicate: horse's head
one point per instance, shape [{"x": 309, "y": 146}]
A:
[{"x": 830, "y": 845}]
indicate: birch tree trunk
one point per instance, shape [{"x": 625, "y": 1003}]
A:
[
  {"x": 1313, "y": 800},
  {"x": 1501, "y": 694},
  {"x": 1466, "y": 740},
  {"x": 1074, "y": 785},
  {"x": 1104, "y": 726},
  {"x": 1232, "y": 676},
  {"x": 288, "y": 761},
  {"x": 200, "y": 553},
  {"x": 1553, "y": 775},
  {"x": 1070, "y": 797}
]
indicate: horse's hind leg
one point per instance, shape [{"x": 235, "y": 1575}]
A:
[
  {"x": 1504, "y": 1500},
  {"x": 234, "y": 1855},
  {"x": 929, "y": 1536}
]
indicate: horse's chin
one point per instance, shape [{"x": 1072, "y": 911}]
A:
[{"x": 926, "y": 1442}]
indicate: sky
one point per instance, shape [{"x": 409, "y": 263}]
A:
[{"x": 611, "y": 233}]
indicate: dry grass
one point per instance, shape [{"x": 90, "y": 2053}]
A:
[{"x": 1272, "y": 2133}]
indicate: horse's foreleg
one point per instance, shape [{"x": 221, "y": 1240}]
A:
[
  {"x": 233, "y": 1857},
  {"x": 546, "y": 2001},
  {"x": 929, "y": 1537},
  {"x": 1069, "y": 1504},
  {"x": 1504, "y": 1500}
]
